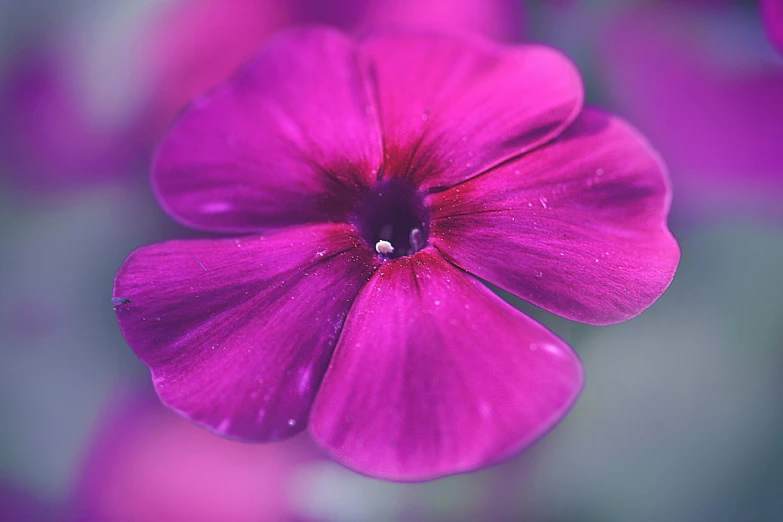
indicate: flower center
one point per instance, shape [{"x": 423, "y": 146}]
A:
[{"x": 393, "y": 219}]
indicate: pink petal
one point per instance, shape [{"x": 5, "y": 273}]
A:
[
  {"x": 577, "y": 227},
  {"x": 496, "y": 19},
  {"x": 288, "y": 140},
  {"x": 772, "y": 13},
  {"x": 435, "y": 375},
  {"x": 238, "y": 332},
  {"x": 451, "y": 107}
]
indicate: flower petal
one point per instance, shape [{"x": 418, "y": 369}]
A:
[
  {"x": 577, "y": 227},
  {"x": 435, "y": 375},
  {"x": 451, "y": 107},
  {"x": 772, "y": 13},
  {"x": 286, "y": 141},
  {"x": 238, "y": 332}
]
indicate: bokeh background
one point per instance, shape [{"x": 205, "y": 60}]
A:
[{"x": 682, "y": 415}]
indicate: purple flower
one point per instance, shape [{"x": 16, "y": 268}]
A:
[
  {"x": 375, "y": 182},
  {"x": 146, "y": 463},
  {"x": 48, "y": 128},
  {"x": 699, "y": 83},
  {"x": 772, "y": 13}
]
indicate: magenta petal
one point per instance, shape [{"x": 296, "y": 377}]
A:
[
  {"x": 238, "y": 332},
  {"x": 287, "y": 140},
  {"x": 452, "y": 107},
  {"x": 435, "y": 375},
  {"x": 577, "y": 227},
  {"x": 772, "y": 13}
]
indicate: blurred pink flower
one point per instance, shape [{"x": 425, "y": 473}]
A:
[
  {"x": 51, "y": 137},
  {"x": 54, "y": 129},
  {"x": 394, "y": 169},
  {"x": 772, "y": 13},
  {"x": 716, "y": 119},
  {"x": 192, "y": 45},
  {"x": 147, "y": 463}
]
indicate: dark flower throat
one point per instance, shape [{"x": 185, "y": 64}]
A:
[{"x": 393, "y": 219}]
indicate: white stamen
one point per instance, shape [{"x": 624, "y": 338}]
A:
[
  {"x": 383, "y": 247},
  {"x": 417, "y": 242}
]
